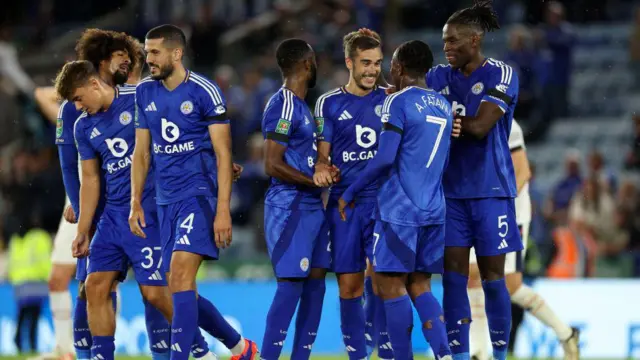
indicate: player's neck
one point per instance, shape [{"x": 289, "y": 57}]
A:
[
  {"x": 419, "y": 82},
  {"x": 473, "y": 65},
  {"x": 353, "y": 88},
  {"x": 297, "y": 86},
  {"x": 107, "y": 77},
  {"x": 176, "y": 78},
  {"x": 109, "y": 96}
]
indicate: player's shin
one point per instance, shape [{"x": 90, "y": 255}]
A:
[
  {"x": 185, "y": 323},
  {"x": 398, "y": 311},
  {"x": 352, "y": 318},
  {"x": 311, "y": 306},
  {"x": 159, "y": 332},
  {"x": 433, "y": 325},
  {"x": 531, "y": 301},
  {"x": 61, "y": 306},
  {"x": 82, "y": 340},
  {"x": 457, "y": 311},
  {"x": 279, "y": 317},
  {"x": 498, "y": 308},
  {"x": 371, "y": 332},
  {"x": 479, "y": 329},
  {"x": 212, "y": 321}
]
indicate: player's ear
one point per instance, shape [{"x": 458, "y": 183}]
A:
[
  {"x": 177, "y": 54},
  {"x": 349, "y": 63}
]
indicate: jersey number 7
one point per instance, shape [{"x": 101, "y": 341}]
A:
[{"x": 442, "y": 123}]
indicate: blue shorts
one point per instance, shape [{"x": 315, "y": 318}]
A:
[
  {"x": 408, "y": 249},
  {"x": 351, "y": 240},
  {"x": 114, "y": 247},
  {"x": 81, "y": 269},
  {"x": 489, "y": 225},
  {"x": 297, "y": 240},
  {"x": 187, "y": 225}
]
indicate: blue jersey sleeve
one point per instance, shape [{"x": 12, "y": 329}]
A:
[
  {"x": 324, "y": 124},
  {"x": 211, "y": 102},
  {"x": 67, "y": 115},
  {"x": 437, "y": 77},
  {"x": 70, "y": 176},
  {"x": 278, "y": 120},
  {"x": 140, "y": 116},
  {"x": 502, "y": 85},
  {"x": 85, "y": 149},
  {"x": 393, "y": 115}
]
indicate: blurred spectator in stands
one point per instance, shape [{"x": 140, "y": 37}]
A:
[
  {"x": 598, "y": 170},
  {"x": 634, "y": 50},
  {"x": 633, "y": 156},
  {"x": 593, "y": 210},
  {"x": 558, "y": 204},
  {"x": 539, "y": 232},
  {"x": 558, "y": 37},
  {"x": 629, "y": 205},
  {"x": 525, "y": 61},
  {"x": 204, "y": 41},
  {"x": 370, "y": 14},
  {"x": 10, "y": 67}
]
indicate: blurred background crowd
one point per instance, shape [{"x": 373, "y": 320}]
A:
[{"x": 578, "y": 63}]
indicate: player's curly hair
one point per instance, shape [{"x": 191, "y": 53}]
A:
[
  {"x": 97, "y": 45},
  {"x": 415, "y": 57},
  {"x": 363, "y": 39},
  {"x": 289, "y": 53},
  {"x": 481, "y": 15},
  {"x": 73, "y": 75}
]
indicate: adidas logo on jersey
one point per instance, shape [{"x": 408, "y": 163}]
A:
[
  {"x": 160, "y": 345},
  {"x": 503, "y": 244},
  {"x": 155, "y": 276},
  {"x": 345, "y": 116},
  {"x": 95, "y": 133},
  {"x": 184, "y": 240},
  {"x": 151, "y": 107},
  {"x": 445, "y": 91}
]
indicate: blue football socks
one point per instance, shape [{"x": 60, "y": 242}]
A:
[
  {"x": 498, "y": 308},
  {"x": 457, "y": 311},
  {"x": 307, "y": 326},
  {"x": 279, "y": 318}
]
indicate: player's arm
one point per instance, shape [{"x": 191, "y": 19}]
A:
[
  {"x": 89, "y": 194},
  {"x": 502, "y": 91},
  {"x": 521, "y": 167},
  {"x": 324, "y": 125},
  {"x": 47, "y": 101},
  {"x": 68, "y": 155},
  {"x": 139, "y": 170},
  {"x": 220, "y": 135},
  {"x": 276, "y": 167}
]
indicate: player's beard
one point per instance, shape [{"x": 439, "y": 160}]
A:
[
  {"x": 311, "y": 83},
  {"x": 358, "y": 80},
  {"x": 120, "y": 77},
  {"x": 165, "y": 71}
]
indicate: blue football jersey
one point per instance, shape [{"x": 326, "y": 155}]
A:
[
  {"x": 178, "y": 121},
  {"x": 479, "y": 168},
  {"x": 109, "y": 136},
  {"x": 67, "y": 116},
  {"x": 351, "y": 124},
  {"x": 288, "y": 121},
  {"x": 412, "y": 194}
]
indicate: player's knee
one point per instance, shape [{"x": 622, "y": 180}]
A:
[
  {"x": 97, "y": 290},
  {"x": 475, "y": 281},
  {"x": 59, "y": 280},
  {"x": 391, "y": 286},
  {"x": 514, "y": 282},
  {"x": 155, "y": 295},
  {"x": 181, "y": 281},
  {"x": 351, "y": 289},
  {"x": 456, "y": 259}
]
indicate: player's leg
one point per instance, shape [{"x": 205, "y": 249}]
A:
[
  {"x": 525, "y": 297},
  {"x": 348, "y": 262},
  {"x": 192, "y": 225},
  {"x": 82, "y": 340},
  {"x": 370, "y": 331},
  {"x": 457, "y": 311},
  {"x": 429, "y": 260},
  {"x": 394, "y": 256},
  {"x": 63, "y": 269},
  {"x": 312, "y": 297},
  {"x": 291, "y": 255},
  {"x": 102, "y": 317},
  {"x": 479, "y": 329},
  {"x": 496, "y": 235}
]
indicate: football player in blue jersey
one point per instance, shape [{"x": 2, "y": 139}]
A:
[
  {"x": 181, "y": 117},
  {"x": 111, "y": 58},
  {"x": 348, "y": 120},
  {"x": 409, "y": 231},
  {"x": 479, "y": 181},
  {"x": 295, "y": 228}
]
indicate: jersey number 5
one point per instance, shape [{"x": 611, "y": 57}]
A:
[{"x": 442, "y": 123}]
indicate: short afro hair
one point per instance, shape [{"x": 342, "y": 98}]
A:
[
  {"x": 291, "y": 52},
  {"x": 415, "y": 57}
]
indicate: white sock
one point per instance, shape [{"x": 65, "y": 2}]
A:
[
  {"x": 535, "y": 304},
  {"x": 239, "y": 348},
  {"x": 61, "y": 307},
  {"x": 479, "y": 329}
]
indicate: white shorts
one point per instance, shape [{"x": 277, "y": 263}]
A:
[
  {"x": 514, "y": 261},
  {"x": 62, "y": 243}
]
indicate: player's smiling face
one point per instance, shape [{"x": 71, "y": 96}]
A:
[
  {"x": 365, "y": 67},
  {"x": 458, "y": 44},
  {"x": 89, "y": 97},
  {"x": 120, "y": 66},
  {"x": 159, "y": 58}
]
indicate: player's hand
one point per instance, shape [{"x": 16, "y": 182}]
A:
[
  {"x": 136, "y": 220},
  {"x": 80, "y": 246},
  {"x": 237, "y": 171},
  {"x": 222, "y": 229},
  {"x": 457, "y": 128},
  {"x": 390, "y": 90},
  {"x": 335, "y": 174},
  {"x": 322, "y": 176},
  {"x": 69, "y": 215},
  {"x": 342, "y": 207}
]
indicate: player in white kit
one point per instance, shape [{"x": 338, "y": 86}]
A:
[{"x": 521, "y": 294}]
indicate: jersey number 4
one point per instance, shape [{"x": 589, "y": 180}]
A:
[{"x": 442, "y": 123}]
